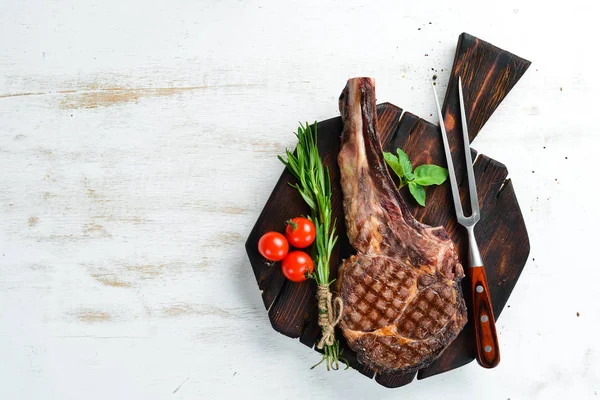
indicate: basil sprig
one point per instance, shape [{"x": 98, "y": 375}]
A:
[{"x": 423, "y": 175}]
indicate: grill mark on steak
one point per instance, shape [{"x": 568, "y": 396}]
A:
[{"x": 403, "y": 303}]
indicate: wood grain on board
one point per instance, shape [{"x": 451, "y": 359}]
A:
[{"x": 501, "y": 231}]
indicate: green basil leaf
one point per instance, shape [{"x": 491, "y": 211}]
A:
[
  {"x": 430, "y": 175},
  {"x": 418, "y": 192},
  {"x": 394, "y": 163},
  {"x": 405, "y": 162}
]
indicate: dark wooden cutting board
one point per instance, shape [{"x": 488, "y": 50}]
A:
[{"x": 488, "y": 74}]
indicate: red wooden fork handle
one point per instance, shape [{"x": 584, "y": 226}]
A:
[{"x": 488, "y": 352}]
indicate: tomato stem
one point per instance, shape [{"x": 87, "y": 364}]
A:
[{"x": 292, "y": 224}]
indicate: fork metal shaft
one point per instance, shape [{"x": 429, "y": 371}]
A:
[{"x": 475, "y": 260}]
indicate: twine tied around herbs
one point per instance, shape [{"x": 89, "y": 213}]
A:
[{"x": 330, "y": 314}]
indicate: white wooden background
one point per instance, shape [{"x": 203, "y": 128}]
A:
[{"x": 138, "y": 144}]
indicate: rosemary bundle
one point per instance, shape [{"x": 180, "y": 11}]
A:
[{"x": 314, "y": 185}]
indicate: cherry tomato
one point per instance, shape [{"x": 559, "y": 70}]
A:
[
  {"x": 273, "y": 246},
  {"x": 300, "y": 232},
  {"x": 295, "y": 266}
]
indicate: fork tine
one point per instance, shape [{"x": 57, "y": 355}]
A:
[
  {"x": 469, "y": 159},
  {"x": 455, "y": 195}
]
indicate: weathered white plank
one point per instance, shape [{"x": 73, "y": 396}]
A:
[{"x": 137, "y": 148}]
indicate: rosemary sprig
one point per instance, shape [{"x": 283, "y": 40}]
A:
[
  {"x": 315, "y": 188},
  {"x": 314, "y": 185}
]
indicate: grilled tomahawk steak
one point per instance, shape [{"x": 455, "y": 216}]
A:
[{"x": 403, "y": 303}]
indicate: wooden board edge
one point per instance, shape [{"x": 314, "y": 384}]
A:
[{"x": 479, "y": 61}]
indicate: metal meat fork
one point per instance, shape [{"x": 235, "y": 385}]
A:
[{"x": 488, "y": 352}]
